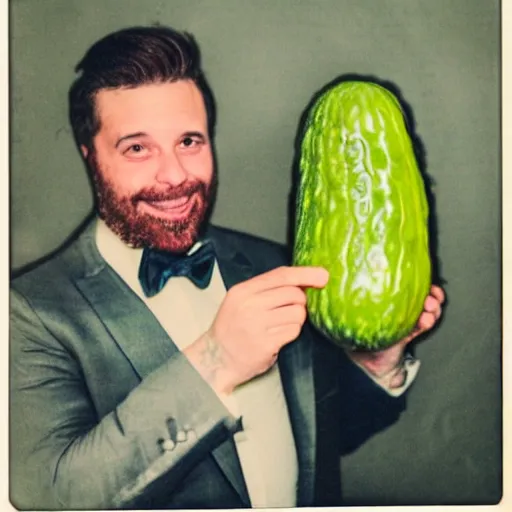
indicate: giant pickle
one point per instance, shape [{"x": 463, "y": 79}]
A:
[{"x": 362, "y": 213}]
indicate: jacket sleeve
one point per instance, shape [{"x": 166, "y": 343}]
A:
[
  {"x": 63, "y": 457},
  {"x": 349, "y": 398},
  {"x": 366, "y": 408}
]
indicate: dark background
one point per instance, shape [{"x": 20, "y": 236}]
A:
[{"x": 265, "y": 59}]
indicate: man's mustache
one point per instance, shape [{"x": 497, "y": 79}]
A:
[{"x": 185, "y": 189}]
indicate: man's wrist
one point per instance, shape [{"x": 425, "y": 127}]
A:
[
  {"x": 207, "y": 357},
  {"x": 394, "y": 369},
  {"x": 379, "y": 364}
]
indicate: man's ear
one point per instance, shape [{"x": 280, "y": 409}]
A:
[{"x": 84, "y": 151}]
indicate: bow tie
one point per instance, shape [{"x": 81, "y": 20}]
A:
[{"x": 156, "y": 267}]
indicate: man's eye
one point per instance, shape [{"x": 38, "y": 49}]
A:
[
  {"x": 190, "y": 142},
  {"x": 135, "y": 150}
]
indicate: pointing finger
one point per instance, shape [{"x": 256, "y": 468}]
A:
[
  {"x": 278, "y": 297},
  {"x": 303, "y": 277}
]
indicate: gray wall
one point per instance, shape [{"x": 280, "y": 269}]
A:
[{"x": 265, "y": 59}]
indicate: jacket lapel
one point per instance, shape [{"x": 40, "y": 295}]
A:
[
  {"x": 121, "y": 310},
  {"x": 234, "y": 266},
  {"x": 137, "y": 333},
  {"x": 295, "y": 365}
]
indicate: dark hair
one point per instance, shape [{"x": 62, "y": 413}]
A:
[{"x": 129, "y": 58}]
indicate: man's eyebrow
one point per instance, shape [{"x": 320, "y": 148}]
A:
[
  {"x": 199, "y": 135},
  {"x": 130, "y": 136}
]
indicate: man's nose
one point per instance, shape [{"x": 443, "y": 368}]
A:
[{"x": 171, "y": 170}]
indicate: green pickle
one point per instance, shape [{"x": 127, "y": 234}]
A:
[{"x": 362, "y": 213}]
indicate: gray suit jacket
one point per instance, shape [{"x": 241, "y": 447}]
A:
[{"x": 97, "y": 386}]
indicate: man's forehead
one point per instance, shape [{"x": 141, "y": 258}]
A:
[
  {"x": 172, "y": 92},
  {"x": 151, "y": 102}
]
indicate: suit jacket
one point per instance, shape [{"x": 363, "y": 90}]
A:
[{"x": 97, "y": 387}]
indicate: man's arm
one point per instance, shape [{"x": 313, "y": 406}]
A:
[
  {"x": 66, "y": 458},
  {"x": 62, "y": 456}
]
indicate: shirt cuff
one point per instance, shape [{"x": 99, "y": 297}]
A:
[{"x": 399, "y": 379}]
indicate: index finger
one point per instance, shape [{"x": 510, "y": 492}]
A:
[{"x": 304, "y": 277}]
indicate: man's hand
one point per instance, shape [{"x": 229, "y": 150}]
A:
[
  {"x": 384, "y": 361},
  {"x": 256, "y": 319}
]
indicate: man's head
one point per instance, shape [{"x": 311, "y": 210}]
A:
[{"x": 142, "y": 116}]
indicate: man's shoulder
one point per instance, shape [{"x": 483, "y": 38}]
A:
[
  {"x": 47, "y": 273},
  {"x": 40, "y": 271}
]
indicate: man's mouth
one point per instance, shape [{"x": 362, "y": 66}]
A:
[{"x": 170, "y": 209}]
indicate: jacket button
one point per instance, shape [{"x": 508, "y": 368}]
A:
[
  {"x": 168, "y": 445},
  {"x": 191, "y": 435},
  {"x": 181, "y": 436}
]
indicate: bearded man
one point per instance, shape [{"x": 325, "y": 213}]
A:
[{"x": 159, "y": 361}]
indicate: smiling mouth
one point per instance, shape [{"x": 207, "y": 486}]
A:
[{"x": 171, "y": 209}]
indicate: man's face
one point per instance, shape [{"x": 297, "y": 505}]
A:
[{"x": 152, "y": 164}]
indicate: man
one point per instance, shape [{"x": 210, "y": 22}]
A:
[{"x": 133, "y": 385}]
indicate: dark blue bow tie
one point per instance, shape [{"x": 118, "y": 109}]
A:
[{"x": 156, "y": 267}]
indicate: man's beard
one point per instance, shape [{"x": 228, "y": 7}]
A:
[{"x": 138, "y": 229}]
